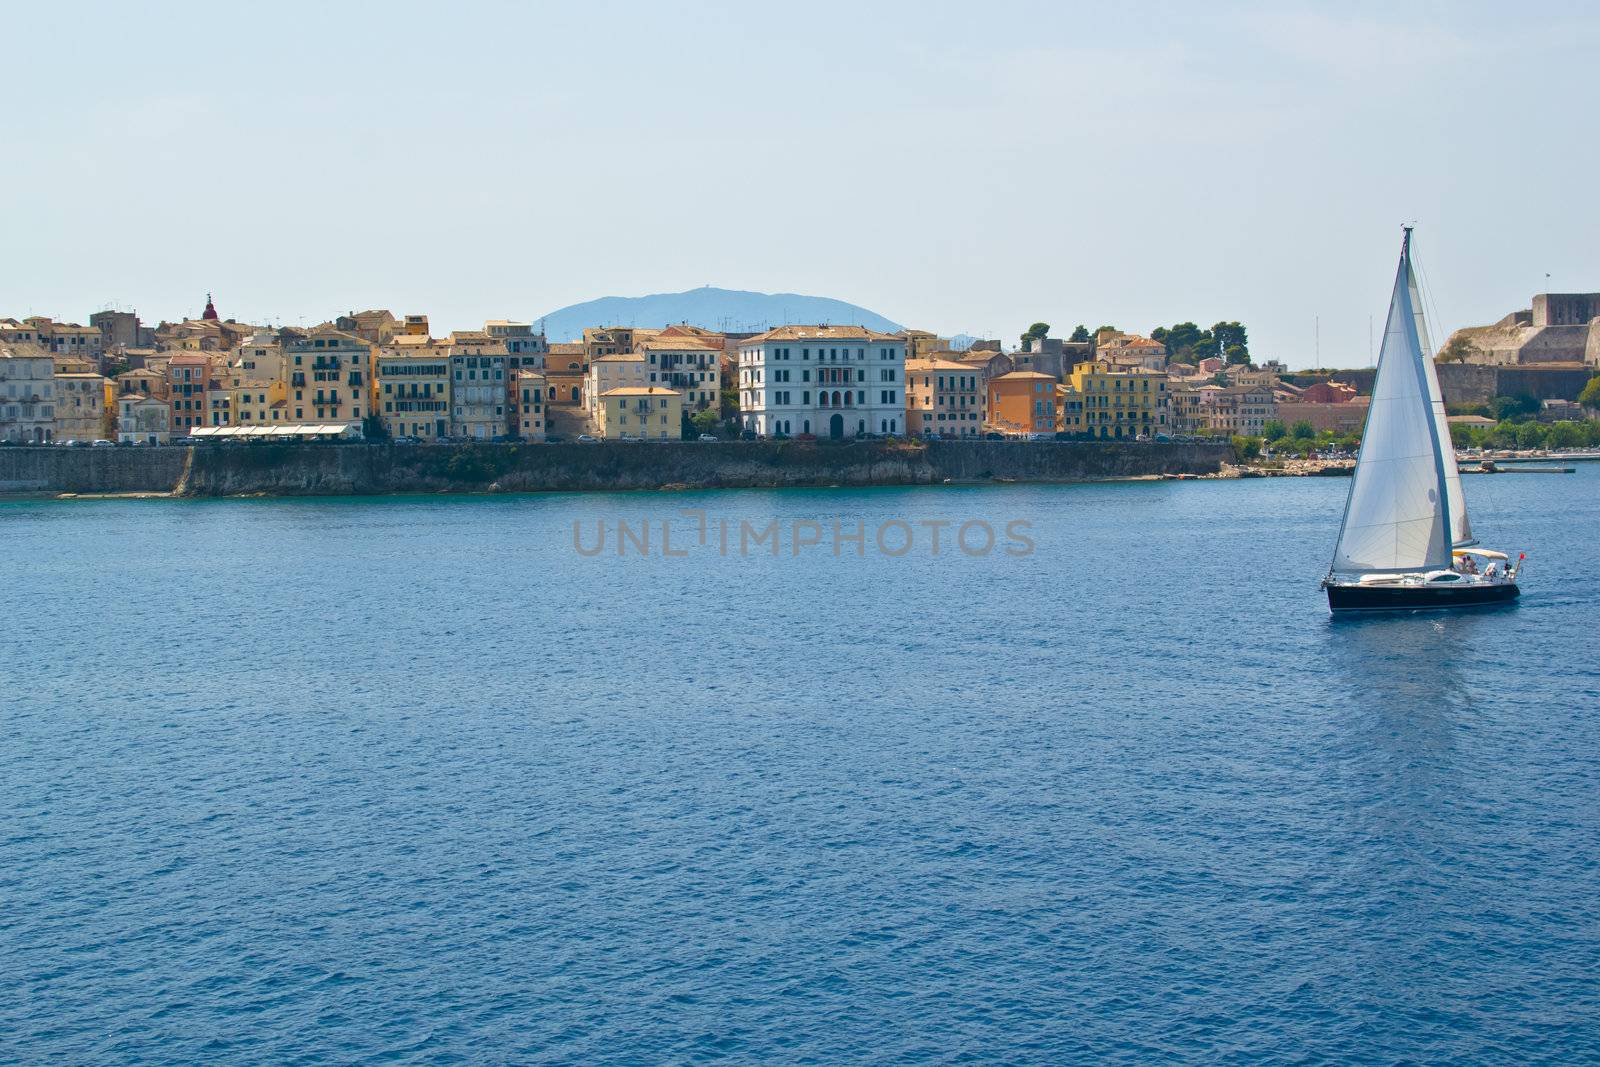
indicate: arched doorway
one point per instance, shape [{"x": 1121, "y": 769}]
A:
[
  {"x": 836, "y": 427},
  {"x": 575, "y": 394}
]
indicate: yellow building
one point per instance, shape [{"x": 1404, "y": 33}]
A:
[
  {"x": 530, "y": 403},
  {"x": 257, "y": 382},
  {"x": 649, "y": 413},
  {"x": 411, "y": 387},
  {"x": 920, "y": 344},
  {"x": 944, "y": 399},
  {"x": 1122, "y": 402},
  {"x": 1069, "y": 409},
  {"x": 329, "y": 374}
]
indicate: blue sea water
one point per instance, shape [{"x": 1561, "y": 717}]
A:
[{"x": 412, "y": 780}]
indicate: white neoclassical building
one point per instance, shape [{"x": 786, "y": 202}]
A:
[{"x": 831, "y": 381}]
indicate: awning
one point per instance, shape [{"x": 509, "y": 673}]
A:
[{"x": 1484, "y": 552}]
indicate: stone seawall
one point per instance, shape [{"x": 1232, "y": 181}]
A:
[
  {"x": 357, "y": 469},
  {"x": 91, "y": 470}
]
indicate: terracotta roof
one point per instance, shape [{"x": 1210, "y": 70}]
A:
[
  {"x": 680, "y": 344},
  {"x": 936, "y": 365},
  {"x": 822, "y": 333}
]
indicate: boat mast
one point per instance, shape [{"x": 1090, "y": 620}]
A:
[
  {"x": 1392, "y": 383},
  {"x": 1423, "y": 366}
]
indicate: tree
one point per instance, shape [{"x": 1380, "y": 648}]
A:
[
  {"x": 1304, "y": 431},
  {"x": 1511, "y": 408},
  {"x": 1566, "y": 434},
  {"x": 1228, "y": 334},
  {"x": 1530, "y": 435},
  {"x": 1180, "y": 339},
  {"x": 704, "y": 421},
  {"x": 1080, "y": 334},
  {"x": 1237, "y": 356},
  {"x": 1457, "y": 350},
  {"x": 1245, "y": 448},
  {"x": 1273, "y": 430},
  {"x": 1590, "y": 397},
  {"x": 1034, "y": 333}
]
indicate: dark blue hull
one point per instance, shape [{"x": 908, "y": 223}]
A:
[{"x": 1418, "y": 598}]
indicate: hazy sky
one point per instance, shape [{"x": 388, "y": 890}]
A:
[{"x": 957, "y": 167}]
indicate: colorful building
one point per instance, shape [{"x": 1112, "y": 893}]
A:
[
  {"x": 622, "y": 370},
  {"x": 328, "y": 374},
  {"x": 1122, "y": 402},
  {"x": 412, "y": 388},
  {"x": 944, "y": 398},
  {"x": 188, "y": 378},
  {"x": 480, "y": 386},
  {"x": 530, "y": 404},
  {"x": 1022, "y": 402},
  {"x": 686, "y": 364},
  {"x": 650, "y": 413}
]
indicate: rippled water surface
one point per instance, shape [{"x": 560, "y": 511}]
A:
[{"x": 411, "y": 779}]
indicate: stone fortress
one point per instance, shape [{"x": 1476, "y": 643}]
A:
[
  {"x": 1549, "y": 351},
  {"x": 1558, "y": 328}
]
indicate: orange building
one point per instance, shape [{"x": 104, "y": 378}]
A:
[
  {"x": 1021, "y": 402},
  {"x": 188, "y": 378}
]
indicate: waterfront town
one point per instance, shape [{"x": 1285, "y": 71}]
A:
[{"x": 376, "y": 376}]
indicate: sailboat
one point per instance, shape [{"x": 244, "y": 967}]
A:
[{"x": 1405, "y": 542}]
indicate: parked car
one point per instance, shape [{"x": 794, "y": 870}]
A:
[
  {"x": 1038, "y": 437},
  {"x": 104, "y": 444},
  {"x": 708, "y": 437},
  {"x": 554, "y": 439},
  {"x": 1062, "y": 435},
  {"x": 585, "y": 439},
  {"x": 749, "y": 435},
  {"x": 805, "y": 437},
  {"x": 994, "y": 436}
]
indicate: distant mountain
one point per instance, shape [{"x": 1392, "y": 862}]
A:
[{"x": 729, "y": 310}]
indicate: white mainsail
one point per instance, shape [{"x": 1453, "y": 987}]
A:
[
  {"x": 1460, "y": 528},
  {"x": 1397, "y": 517}
]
